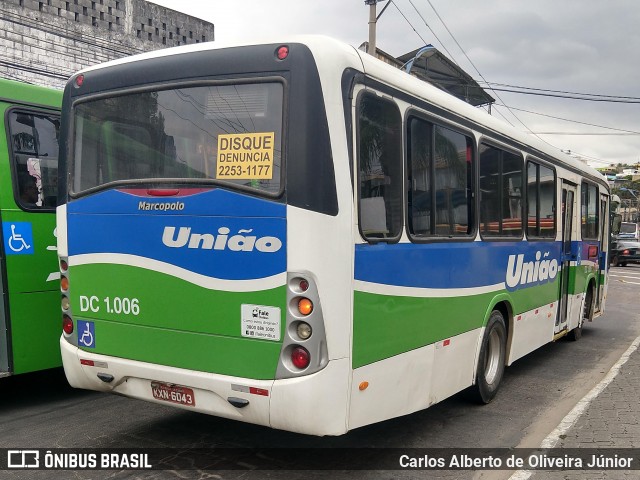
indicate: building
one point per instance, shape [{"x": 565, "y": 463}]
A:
[
  {"x": 430, "y": 65},
  {"x": 45, "y": 41}
]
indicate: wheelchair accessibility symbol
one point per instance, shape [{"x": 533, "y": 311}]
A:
[
  {"x": 18, "y": 238},
  {"x": 86, "y": 334}
]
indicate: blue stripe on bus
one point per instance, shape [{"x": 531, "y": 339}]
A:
[
  {"x": 245, "y": 239},
  {"x": 445, "y": 265}
]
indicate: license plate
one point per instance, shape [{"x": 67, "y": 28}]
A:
[{"x": 173, "y": 393}]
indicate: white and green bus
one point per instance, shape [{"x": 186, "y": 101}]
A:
[{"x": 301, "y": 236}]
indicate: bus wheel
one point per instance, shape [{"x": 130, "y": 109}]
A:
[
  {"x": 491, "y": 360},
  {"x": 586, "y": 315}
]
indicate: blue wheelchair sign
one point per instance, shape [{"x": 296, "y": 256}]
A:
[
  {"x": 18, "y": 238},
  {"x": 86, "y": 334}
]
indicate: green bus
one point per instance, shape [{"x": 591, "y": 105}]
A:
[{"x": 30, "y": 281}]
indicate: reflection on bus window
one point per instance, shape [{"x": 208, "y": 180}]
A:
[
  {"x": 440, "y": 173},
  {"x": 590, "y": 220},
  {"x": 35, "y": 156},
  {"x": 500, "y": 193},
  {"x": 380, "y": 163},
  {"x": 541, "y": 201},
  {"x": 176, "y": 134}
]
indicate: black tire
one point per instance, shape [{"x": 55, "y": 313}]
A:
[
  {"x": 585, "y": 316},
  {"x": 614, "y": 261},
  {"x": 491, "y": 360}
]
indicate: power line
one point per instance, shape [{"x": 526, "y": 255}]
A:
[
  {"x": 495, "y": 90},
  {"x": 631, "y": 132},
  {"x": 561, "y": 91},
  {"x": 588, "y": 157},
  {"x": 568, "y": 97},
  {"x": 433, "y": 33},
  {"x": 410, "y": 24},
  {"x": 481, "y": 76},
  {"x": 425, "y": 42}
]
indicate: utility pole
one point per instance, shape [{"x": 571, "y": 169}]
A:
[{"x": 371, "y": 50}]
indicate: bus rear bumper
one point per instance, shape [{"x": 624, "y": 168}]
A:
[
  {"x": 314, "y": 404},
  {"x": 210, "y": 393}
]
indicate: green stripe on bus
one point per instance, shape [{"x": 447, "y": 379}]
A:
[
  {"x": 179, "y": 324},
  {"x": 387, "y": 325}
]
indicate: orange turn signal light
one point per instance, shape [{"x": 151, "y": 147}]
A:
[{"x": 305, "y": 306}]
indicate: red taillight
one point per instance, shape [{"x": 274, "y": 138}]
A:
[
  {"x": 64, "y": 266},
  {"x": 163, "y": 192},
  {"x": 625, "y": 252},
  {"x": 300, "y": 358},
  {"x": 79, "y": 80},
  {"x": 282, "y": 52},
  {"x": 67, "y": 325},
  {"x": 303, "y": 285}
]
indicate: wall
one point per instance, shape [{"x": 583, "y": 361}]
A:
[{"x": 45, "y": 41}]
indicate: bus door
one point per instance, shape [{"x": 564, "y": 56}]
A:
[
  {"x": 30, "y": 318},
  {"x": 568, "y": 207},
  {"x": 604, "y": 250}
]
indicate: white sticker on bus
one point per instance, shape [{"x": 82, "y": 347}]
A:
[{"x": 258, "y": 321}]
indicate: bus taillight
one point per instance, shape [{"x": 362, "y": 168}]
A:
[
  {"x": 304, "y": 342},
  {"x": 300, "y": 358},
  {"x": 65, "y": 304},
  {"x": 282, "y": 52},
  {"x": 67, "y": 324}
]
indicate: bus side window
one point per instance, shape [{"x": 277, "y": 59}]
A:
[
  {"x": 541, "y": 201},
  {"x": 440, "y": 173},
  {"x": 380, "y": 168},
  {"x": 35, "y": 158},
  {"x": 590, "y": 220},
  {"x": 500, "y": 193}
]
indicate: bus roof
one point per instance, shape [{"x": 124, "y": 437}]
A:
[
  {"x": 326, "y": 50},
  {"x": 12, "y": 91}
]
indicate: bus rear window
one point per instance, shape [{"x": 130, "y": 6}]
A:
[{"x": 228, "y": 133}]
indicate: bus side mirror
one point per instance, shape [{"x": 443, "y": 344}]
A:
[{"x": 616, "y": 222}]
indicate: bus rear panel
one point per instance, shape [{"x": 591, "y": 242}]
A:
[{"x": 174, "y": 234}]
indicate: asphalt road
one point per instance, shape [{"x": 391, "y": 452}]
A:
[{"x": 41, "y": 411}]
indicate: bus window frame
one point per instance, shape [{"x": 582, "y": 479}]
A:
[
  {"x": 368, "y": 92},
  {"x": 584, "y": 227},
  {"x": 435, "y": 120},
  {"x": 208, "y": 182},
  {"x": 523, "y": 198},
  {"x": 12, "y": 156},
  {"x": 536, "y": 160}
]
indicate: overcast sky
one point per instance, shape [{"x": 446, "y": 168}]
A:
[{"x": 581, "y": 46}]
